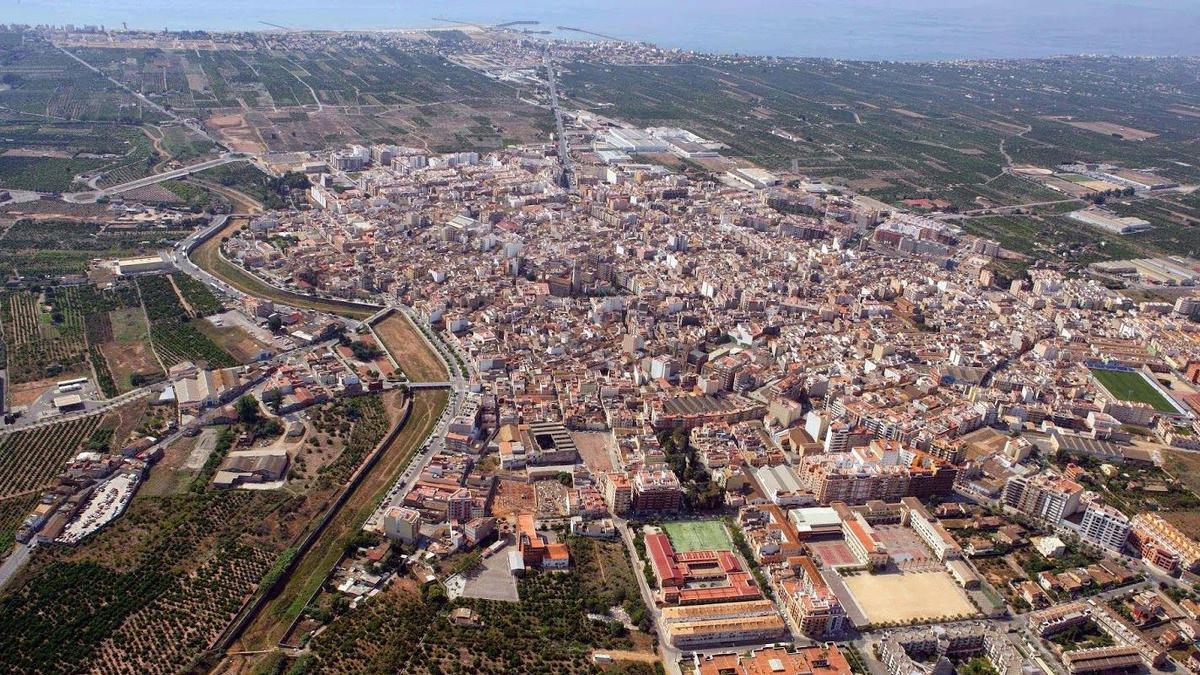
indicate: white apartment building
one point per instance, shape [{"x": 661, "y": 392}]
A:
[
  {"x": 1044, "y": 496},
  {"x": 1104, "y": 526}
]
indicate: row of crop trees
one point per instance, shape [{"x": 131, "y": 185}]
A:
[
  {"x": 29, "y": 459},
  {"x": 547, "y": 631},
  {"x": 149, "y": 591},
  {"x": 52, "y": 330},
  {"x": 174, "y": 337}
]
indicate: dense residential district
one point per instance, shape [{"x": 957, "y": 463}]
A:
[{"x": 614, "y": 393}]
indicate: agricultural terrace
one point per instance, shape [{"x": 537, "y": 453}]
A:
[
  {"x": 207, "y": 256},
  {"x": 47, "y": 156},
  {"x": 152, "y": 590},
  {"x": 13, "y": 512},
  {"x": 174, "y": 338},
  {"x": 1133, "y": 386},
  {"x": 43, "y": 334},
  {"x": 406, "y": 344},
  {"x": 698, "y": 535},
  {"x": 61, "y": 331},
  {"x": 52, "y": 248},
  {"x": 199, "y": 299}
]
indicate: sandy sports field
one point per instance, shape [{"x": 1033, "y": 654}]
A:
[{"x": 907, "y": 596}]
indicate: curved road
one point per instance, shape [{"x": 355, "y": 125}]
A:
[{"x": 92, "y": 196}]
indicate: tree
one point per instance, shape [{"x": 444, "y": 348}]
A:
[
  {"x": 274, "y": 322},
  {"x": 247, "y": 409}
]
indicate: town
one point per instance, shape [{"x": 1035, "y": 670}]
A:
[{"x": 608, "y": 397}]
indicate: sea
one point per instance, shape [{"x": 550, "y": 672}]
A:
[{"x": 903, "y": 30}]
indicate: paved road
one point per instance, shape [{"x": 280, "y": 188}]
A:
[
  {"x": 179, "y": 256},
  {"x": 13, "y": 563},
  {"x": 669, "y": 655},
  {"x": 564, "y": 155},
  {"x": 92, "y": 196},
  {"x": 436, "y": 442},
  {"x": 187, "y": 122}
]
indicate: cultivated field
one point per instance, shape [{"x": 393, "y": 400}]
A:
[
  {"x": 698, "y": 535},
  {"x": 30, "y": 459},
  {"x": 172, "y": 334},
  {"x": 904, "y": 597}
]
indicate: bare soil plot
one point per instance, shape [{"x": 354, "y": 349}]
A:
[
  {"x": 1185, "y": 466},
  {"x": 125, "y": 419},
  {"x": 406, "y": 344},
  {"x": 129, "y": 351},
  {"x": 593, "y": 448},
  {"x": 513, "y": 498},
  {"x": 1111, "y": 129},
  {"x": 168, "y": 475},
  {"x": 233, "y": 339},
  {"x": 904, "y": 597},
  {"x": 27, "y": 392},
  {"x": 234, "y": 130}
]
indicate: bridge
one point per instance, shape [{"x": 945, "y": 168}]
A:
[
  {"x": 430, "y": 385},
  {"x": 90, "y": 197}
]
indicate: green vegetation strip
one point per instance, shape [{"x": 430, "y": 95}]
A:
[
  {"x": 314, "y": 565},
  {"x": 207, "y": 256}
]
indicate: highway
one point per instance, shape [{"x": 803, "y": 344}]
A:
[
  {"x": 92, "y": 196},
  {"x": 179, "y": 256},
  {"x": 564, "y": 154}
]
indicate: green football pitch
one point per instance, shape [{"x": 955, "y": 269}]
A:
[
  {"x": 1132, "y": 386},
  {"x": 698, "y": 535}
]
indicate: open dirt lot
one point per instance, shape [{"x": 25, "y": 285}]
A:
[
  {"x": 233, "y": 339},
  {"x": 27, "y": 392},
  {"x": 1111, "y": 129},
  {"x": 904, "y": 597},
  {"x": 234, "y": 130},
  {"x": 593, "y": 448},
  {"x": 513, "y": 497},
  {"x": 129, "y": 352},
  {"x": 406, "y": 344}
]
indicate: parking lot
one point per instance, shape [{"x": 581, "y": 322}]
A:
[{"x": 493, "y": 581}]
